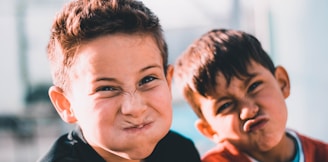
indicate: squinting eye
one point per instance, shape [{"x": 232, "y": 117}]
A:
[
  {"x": 146, "y": 80},
  {"x": 223, "y": 107},
  {"x": 106, "y": 88},
  {"x": 253, "y": 86}
]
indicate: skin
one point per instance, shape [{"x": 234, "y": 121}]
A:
[
  {"x": 120, "y": 96},
  {"x": 250, "y": 113}
]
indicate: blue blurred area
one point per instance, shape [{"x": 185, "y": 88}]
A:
[{"x": 183, "y": 122}]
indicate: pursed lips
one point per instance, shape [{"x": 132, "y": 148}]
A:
[{"x": 255, "y": 124}]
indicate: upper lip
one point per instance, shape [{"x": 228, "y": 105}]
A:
[{"x": 253, "y": 124}]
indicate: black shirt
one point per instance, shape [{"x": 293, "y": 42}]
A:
[{"x": 72, "y": 147}]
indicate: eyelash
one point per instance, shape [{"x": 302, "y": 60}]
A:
[
  {"x": 146, "y": 80},
  {"x": 143, "y": 81},
  {"x": 223, "y": 107},
  {"x": 254, "y": 86},
  {"x": 106, "y": 88}
]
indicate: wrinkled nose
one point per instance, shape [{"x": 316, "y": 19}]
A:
[
  {"x": 248, "y": 110},
  {"x": 133, "y": 104}
]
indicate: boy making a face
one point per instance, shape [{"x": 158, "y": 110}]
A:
[
  {"x": 239, "y": 96},
  {"x": 111, "y": 77}
]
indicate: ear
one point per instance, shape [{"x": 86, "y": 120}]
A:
[
  {"x": 169, "y": 74},
  {"x": 61, "y": 104},
  {"x": 204, "y": 128},
  {"x": 283, "y": 80}
]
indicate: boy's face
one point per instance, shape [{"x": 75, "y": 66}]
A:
[
  {"x": 120, "y": 96},
  {"x": 250, "y": 113}
]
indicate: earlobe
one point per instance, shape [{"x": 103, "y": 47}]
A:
[
  {"x": 204, "y": 128},
  {"x": 283, "y": 80},
  {"x": 61, "y": 104}
]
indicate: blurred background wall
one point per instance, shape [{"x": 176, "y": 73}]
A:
[{"x": 293, "y": 33}]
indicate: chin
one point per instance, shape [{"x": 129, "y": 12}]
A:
[{"x": 269, "y": 144}]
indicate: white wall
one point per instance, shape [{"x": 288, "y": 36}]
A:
[
  {"x": 10, "y": 85},
  {"x": 300, "y": 41},
  {"x": 37, "y": 19}
]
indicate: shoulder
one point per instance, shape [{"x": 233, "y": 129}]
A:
[
  {"x": 224, "y": 152},
  {"x": 71, "y": 147},
  {"x": 62, "y": 148},
  {"x": 175, "y": 147},
  {"x": 313, "y": 149},
  {"x": 306, "y": 140}
]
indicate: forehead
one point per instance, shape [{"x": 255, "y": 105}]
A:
[
  {"x": 113, "y": 45},
  {"x": 222, "y": 83},
  {"x": 118, "y": 53}
]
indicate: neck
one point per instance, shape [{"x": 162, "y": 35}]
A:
[{"x": 283, "y": 152}]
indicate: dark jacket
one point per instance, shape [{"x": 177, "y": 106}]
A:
[{"x": 72, "y": 147}]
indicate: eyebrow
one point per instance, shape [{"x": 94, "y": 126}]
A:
[
  {"x": 246, "y": 82},
  {"x": 115, "y": 80},
  {"x": 218, "y": 100},
  {"x": 106, "y": 79},
  {"x": 150, "y": 67},
  {"x": 251, "y": 77}
]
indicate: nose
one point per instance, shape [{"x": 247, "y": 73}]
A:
[
  {"x": 248, "y": 110},
  {"x": 133, "y": 104}
]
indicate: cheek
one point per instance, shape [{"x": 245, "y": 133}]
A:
[
  {"x": 231, "y": 124},
  {"x": 93, "y": 112},
  {"x": 278, "y": 112},
  {"x": 228, "y": 127},
  {"x": 160, "y": 99},
  {"x": 98, "y": 119},
  {"x": 273, "y": 104}
]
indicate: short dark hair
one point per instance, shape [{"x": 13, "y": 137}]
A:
[
  {"x": 81, "y": 21},
  {"x": 220, "y": 50}
]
